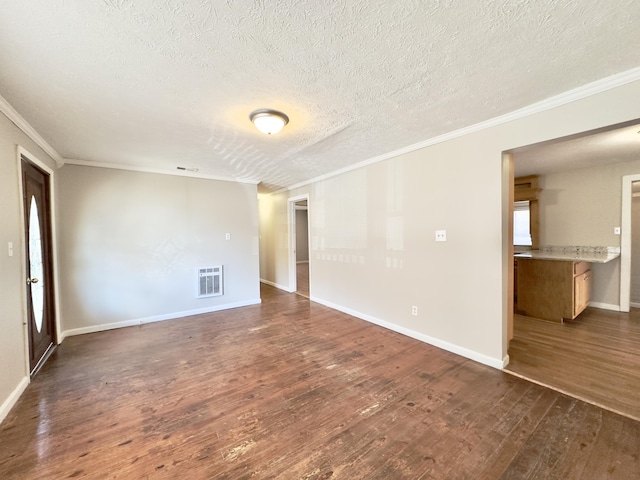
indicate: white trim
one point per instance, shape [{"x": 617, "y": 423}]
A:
[
  {"x": 584, "y": 91},
  {"x": 23, "y": 270},
  {"x": 291, "y": 246},
  {"x": 13, "y": 397},
  {"x": 301, "y": 261},
  {"x": 177, "y": 173},
  {"x": 12, "y": 114},
  {"x": 606, "y": 306},
  {"x": 276, "y": 285},
  {"x": 157, "y": 318},
  {"x": 634, "y": 305},
  {"x": 505, "y": 361},
  {"x": 578, "y": 93},
  {"x": 625, "y": 241},
  {"x": 436, "y": 342}
]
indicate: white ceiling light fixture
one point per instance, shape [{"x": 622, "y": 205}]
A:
[{"x": 268, "y": 121}]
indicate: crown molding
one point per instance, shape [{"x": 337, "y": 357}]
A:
[
  {"x": 177, "y": 173},
  {"x": 12, "y": 114},
  {"x": 578, "y": 93}
]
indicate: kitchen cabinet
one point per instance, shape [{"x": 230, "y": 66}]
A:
[
  {"x": 553, "y": 289},
  {"x": 581, "y": 292}
]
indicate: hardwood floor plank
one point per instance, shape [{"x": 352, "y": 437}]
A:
[
  {"x": 523, "y": 419},
  {"x": 617, "y": 454},
  {"x": 595, "y": 357},
  {"x": 290, "y": 389},
  {"x": 302, "y": 279}
]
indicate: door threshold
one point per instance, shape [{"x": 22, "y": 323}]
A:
[
  {"x": 43, "y": 359},
  {"x": 570, "y": 394}
]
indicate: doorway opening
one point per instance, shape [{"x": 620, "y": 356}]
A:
[
  {"x": 586, "y": 202},
  {"x": 39, "y": 297},
  {"x": 299, "y": 264},
  {"x": 630, "y": 243}
]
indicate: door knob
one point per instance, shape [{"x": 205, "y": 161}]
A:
[{"x": 32, "y": 280}]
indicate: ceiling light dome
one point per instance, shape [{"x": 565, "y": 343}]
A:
[{"x": 268, "y": 121}]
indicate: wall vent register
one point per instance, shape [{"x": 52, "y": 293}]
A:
[{"x": 210, "y": 281}]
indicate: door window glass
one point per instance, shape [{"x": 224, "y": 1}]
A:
[{"x": 35, "y": 264}]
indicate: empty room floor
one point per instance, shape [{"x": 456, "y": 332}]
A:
[{"x": 294, "y": 390}]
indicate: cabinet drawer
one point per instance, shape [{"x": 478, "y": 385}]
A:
[{"x": 580, "y": 267}]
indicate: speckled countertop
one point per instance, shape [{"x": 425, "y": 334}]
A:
[{"x": 573, "y": 254}]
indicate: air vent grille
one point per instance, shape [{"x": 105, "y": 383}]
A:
[{"x": 210, "y": 281}]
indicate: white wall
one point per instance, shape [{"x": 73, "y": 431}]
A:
[
  {"x": 274, "y": 240},
  {"x": 131, "y": 242},
  {"x": 373, "y": 252},
  {"x": 13, "y": 349},
  {"x": 302, "y": 236},
  {"x": 582, "y": 207}
]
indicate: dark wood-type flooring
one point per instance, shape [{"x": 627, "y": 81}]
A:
[
  {"x": 291, "y": 389},
  {"x": 595, "y": 357}
]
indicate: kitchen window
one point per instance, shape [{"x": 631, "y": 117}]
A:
[
  {"x": 521, "y": 224},
  {"x": 526, "y": 212}
]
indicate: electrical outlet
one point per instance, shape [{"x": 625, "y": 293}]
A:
[
  {"x": 441, "y": 235},
  {"x": 414, "y": 310},
  {"x": 227, "y": 236}
]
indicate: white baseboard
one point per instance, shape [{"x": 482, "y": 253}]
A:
[
  {"x": 156, "y": 318},
  {"x": 302, "y": 261},
  {"x": 450, "y": 347},
  {"x": 11, "y": 400},
  {"x": 505, "y": 360},
  {"x": 634, "y": 304},
  {"x": 605, "y": 306},
  {"x": 276, "y": 285}
]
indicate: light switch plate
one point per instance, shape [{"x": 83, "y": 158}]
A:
[
  {"x": 441, "y": 235},
  {"x": 616, "y": 231}
]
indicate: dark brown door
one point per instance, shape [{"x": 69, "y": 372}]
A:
[{"x": 40, "y": 307}]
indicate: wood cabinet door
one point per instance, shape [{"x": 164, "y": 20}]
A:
[{"x": 581, "y": 292}]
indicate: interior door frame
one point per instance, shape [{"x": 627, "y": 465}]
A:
[
  {"x": 20, "y": 154},
  {"x": 291, "y": 221},
  {"x": 625, "y": 242}
]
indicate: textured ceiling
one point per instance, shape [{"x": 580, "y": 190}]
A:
[
  {"x": 161, "y": 84},
  {"x": 620, "y": 143}
]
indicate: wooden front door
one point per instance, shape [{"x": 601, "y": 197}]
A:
[{"x": 39, "y": 266}]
